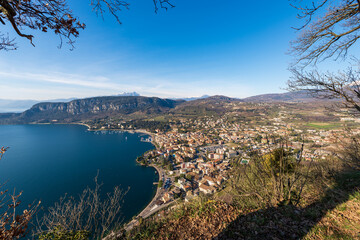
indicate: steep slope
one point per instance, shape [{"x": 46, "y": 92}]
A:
[{"x": 90, "y": 108}]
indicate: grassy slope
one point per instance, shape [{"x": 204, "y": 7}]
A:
[
  {"x": 333, "y": 215},
  {"x": 343, "y": 221}
]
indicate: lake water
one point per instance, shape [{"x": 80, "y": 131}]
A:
[{"x": 47, "y": 161}]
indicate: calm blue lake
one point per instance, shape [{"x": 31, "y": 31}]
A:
[{"x": 47, "y": 161}]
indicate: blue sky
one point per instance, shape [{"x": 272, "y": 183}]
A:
[{"x": 234, "y": 48}]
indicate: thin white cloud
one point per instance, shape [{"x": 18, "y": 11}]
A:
[
  {"x": 59, "y": 85},
  {"x": 68, "y": 79},
  {"x": 40, "y": 86}
]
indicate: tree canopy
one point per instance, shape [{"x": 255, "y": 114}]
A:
[{"x": 54, "y": 16}]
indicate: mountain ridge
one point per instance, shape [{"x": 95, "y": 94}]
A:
[
  {"x": 89, "y": 108},
  {"x": 299, "y": 96},
  {"x": 18, "y": 106},
  {"x": 119, "y": 106}
]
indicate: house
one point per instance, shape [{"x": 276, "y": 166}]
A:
[
  {"x": 178, "y": 158},
  {"x": 207, "y": 189},
  {"x": 187, "y": 187},
  {"x": 209, "y": 180},
  {"x": 182, "y": 180},
  {"x": 231, "y": 154},
  {"x": 218, "y": 156},
  {"x": 168, "y": 197}
]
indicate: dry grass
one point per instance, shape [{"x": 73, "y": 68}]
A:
[
  {"x": 198, "y": 220},
  {"x": 341, "y": 223},
  {"x": 329, "y": 209}
]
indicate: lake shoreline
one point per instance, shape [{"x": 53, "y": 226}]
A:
[
  {"x": 147, "y": 209},
  {"x": 69, "y": 137},
  {"x": 144, "y": 131}
]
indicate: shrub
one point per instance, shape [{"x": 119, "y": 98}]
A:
[
  {"x": 13, "y": 225},
  {"x": 275, "y": 178},
  {"x": 90, "y": 216}
]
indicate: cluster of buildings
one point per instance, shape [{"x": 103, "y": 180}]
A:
[{"x": 201, "y": 149}]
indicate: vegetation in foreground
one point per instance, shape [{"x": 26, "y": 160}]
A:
[
  {"x": 277, "y": 196},
  {"x": 300, "y": 201},
  {"x": 90, "y": 216},
  {"x": 12, "y": 224}
]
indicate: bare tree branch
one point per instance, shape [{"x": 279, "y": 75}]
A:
[
  {"x": 6, "y": 43},
  {"x": 331, "y": 28},
  {"x": 113, "y": 6},
  {"x": 90, "y": 215},
  {"x": 344, "y": 86},
  {"x": 12, "y": 224},
  {"x": 56, "y": 16}
]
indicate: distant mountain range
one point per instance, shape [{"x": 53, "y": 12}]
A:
[
  {"x": 71, "y": 110},
  {"x": 191, "y": 98},
  {"x": 89, "y": 108},
  {"x": 300, "y": 96},
  {"x": 17, "y": 106}
]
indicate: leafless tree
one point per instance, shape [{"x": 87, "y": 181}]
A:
[
  {"x": 55, "y": 16},
  {"x": 88, "y": 214},
  {"x": 330, "y": 29},
  {"x": 342, "y": 86},
  {"x": 13, "y": 225},
  {"x": 349, "y": 149}
]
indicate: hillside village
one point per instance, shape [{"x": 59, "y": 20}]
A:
[
  {"x": 284, "y": 164},
  {"x": 196, "y": 153}
]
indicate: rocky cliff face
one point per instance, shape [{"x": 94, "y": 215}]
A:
[{"x": 94, "y": 107}]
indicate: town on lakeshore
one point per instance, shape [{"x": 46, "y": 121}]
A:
[
  {"x": 195, "y": 152},
  {"x": 204, "y": 120}
]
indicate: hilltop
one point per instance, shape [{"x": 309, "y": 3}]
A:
[
  {"x": 300, "y": 96},
  {"x": 90, "y": 108},
  {"x": 131, "y": 106},
  {"x": 114, "y": 107},
  {"x": 214, "y": 105}
]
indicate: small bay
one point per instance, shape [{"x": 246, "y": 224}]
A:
[{"x": 47, "y": 161}]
